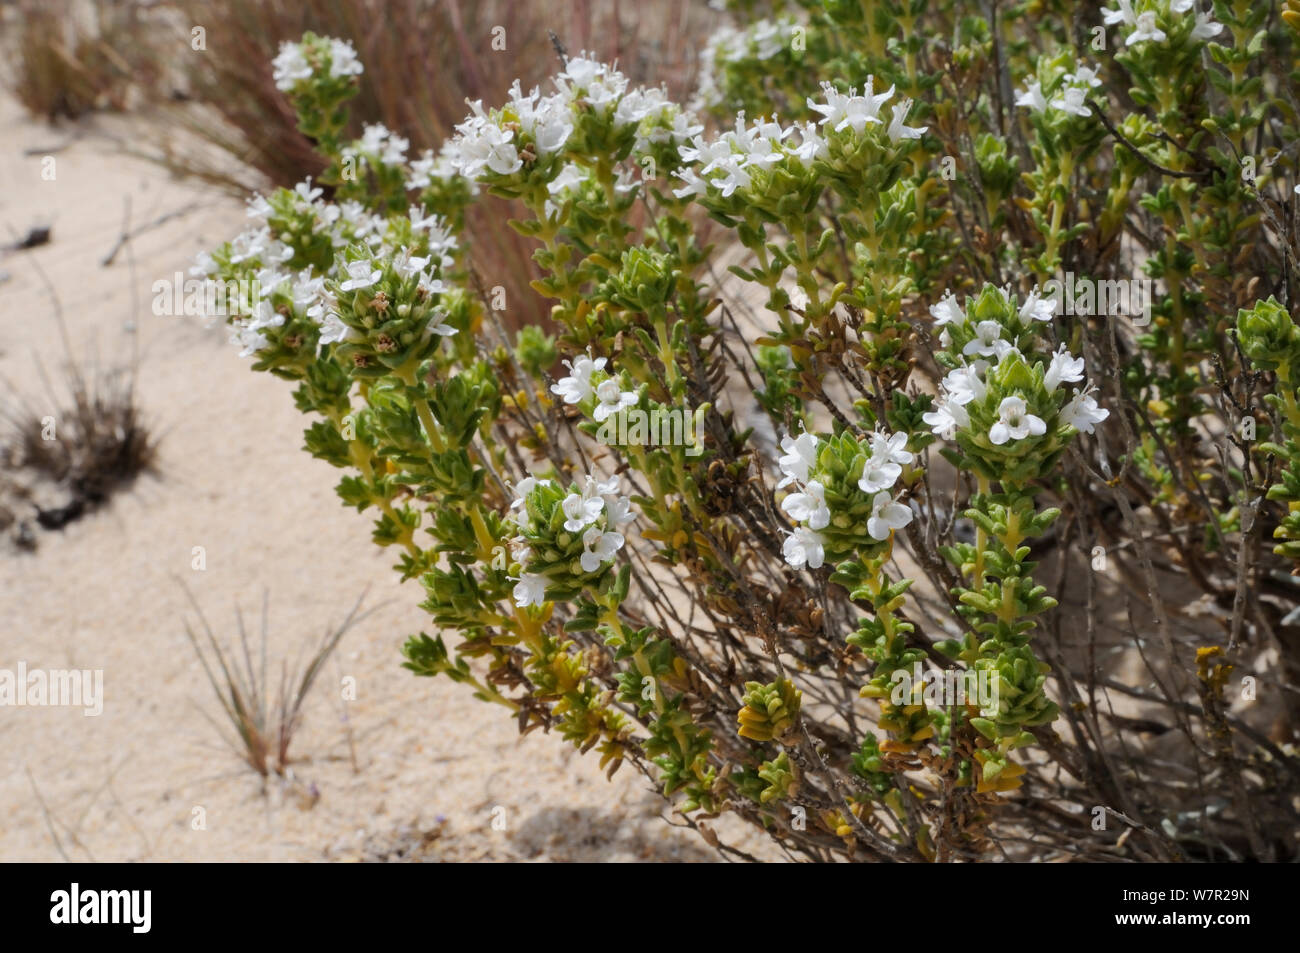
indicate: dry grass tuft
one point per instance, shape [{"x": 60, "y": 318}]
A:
[
  {"x": 69, "y": 59},
  {"x": 56, "y": 467},
  {"x": 264, "y": 727}
]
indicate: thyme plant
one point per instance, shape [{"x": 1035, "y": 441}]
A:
[{"x": 733, "y": 525}]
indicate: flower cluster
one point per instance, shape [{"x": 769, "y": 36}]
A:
[
  {"x": 565, "y": 540},
  {"x": 337, "y": 274},
  {"x": 764, "y": 162},
  {"x": 379, "y": 143},
  {"x": 588, "y": 386},
  {"x": 730, "y": 46},
  {"x": 1154, "y": 21},
  {"x": 1068, "y": 94},
  {"x": 298, "y": 63},
  {"x": 1006, "y": 409},
  {"x": 593, "y": 108},
  {"x": 844, "y": 497}
]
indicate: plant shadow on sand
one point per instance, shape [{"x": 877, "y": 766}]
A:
[{"x": 555, "y": 834}]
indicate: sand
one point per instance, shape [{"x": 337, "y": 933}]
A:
[{"x": 149, "y": 778}]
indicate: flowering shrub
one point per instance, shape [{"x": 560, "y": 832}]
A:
[{"x": 932, "y": 398}]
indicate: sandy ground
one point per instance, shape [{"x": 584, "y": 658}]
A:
[{"x": 105, "y": 593}]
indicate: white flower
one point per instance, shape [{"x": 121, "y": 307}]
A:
[
  {"x": 1006, "y": 350},
  {"x": 1084, "y": 76},
  {"x": 407, "y": 265},
  {"x": 332, "y": 328},
  {"x": 858, "y": 112},
  {"x": 636, "y": 105},
  {"x": 249, "y": 244},
  {"x": 1037, "y": 308},
  {"x": 568, "y": 180},
  {"x": 812, "y": 146},
  {"x": 530, "y": 590},
  {"x": 289, "y": 66},
  {"x": 379, "y": 141},
  {"x": 878, "y": 475},
  {"x": 804, "y": 547},
  {"x": 800, "y": 454},
  {"x": 581, "y": 71},
  {"x": 947, "y": 311},
  {"x": 360, "y": 275},
  {"x": 768, "y": 38},
  {"x": 612, "y": 400},
  {"x": 585, "y": 78},
  {"x": 580, "y": 511},
  {"x": 430, "y": 286},
  {"x": 500, "y": 155},
  {"x": 964, "y": 384},
  {"x": 424, "y": 170},
  {"x": 946, "y": 418},
  {"x": 709, "y": 154},
  {"x": 438, "y": 325},
  {"x": 686, "y": 126},
  {"x": 265, "y": 316},
  {"x": 1071, "y": 101},
  {"x": 305, "y": 192},
  {"x": 307, "y": 290},
  {"x": 598, "y": 547},
  {"x": 259, "y": 208},
  {"x": 1123, "y": 15},
  {"x": 593, "y": 487},
  {"x": 1205, "y": 28},
  {"x": 343, "y": 59},
  {"x": 618, "y": 511},
  {"x": 887, "y": 515},
  {"x": 809, "y": 506},
  {"x": 1082, "y": 412},
  {"x": 423, "y": 222},
  {"x": 851, "y": 111},
  {"x": 1146, "y": 30},
  {"x": 734, "y": 177},
  {"x": 1014, "y": 422},
  {"x": 481, "y": 144},
  {"x": 524, "y": 487},
  {"x": 1181, "y": 6},
  {"x": 762, "y": 151},
  {"x": 269, "y": 281},
  {"x": 551, "y": 132},
  {"x": 250, "y": 339},
  {"x": 899, "y": 131},
  {"x": 205, "y": 264},
  {"x": 882, "y": 469},
  {"x": 577, "y": 386},
  {"x": 985, "y": 342},
  {"x": 694, "y": 184},
  {"x": 1033, "y": 98},
  {"x": 890, "y": 447},
  {"x": 1064, "y": 367}
]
